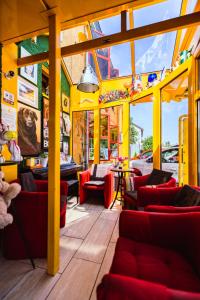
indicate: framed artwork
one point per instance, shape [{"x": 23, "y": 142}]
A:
[
  {"x": 66, "y": 124},
  {"x": 27, "y": 93},
  {"x": 29, "y": 130},
  {"x": 65, "y": 103},
  {"x": 45, "y": 129},
  {"x": 28, "y": 72},
  {"x": 45, "y": 139}
]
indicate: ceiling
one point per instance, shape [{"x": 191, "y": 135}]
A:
[{"x": 20, "y": 19}]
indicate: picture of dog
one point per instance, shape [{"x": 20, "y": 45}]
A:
[{"x": 29, "y": 130}]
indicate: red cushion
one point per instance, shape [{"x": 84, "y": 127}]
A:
[
  {"x": 155, "y": 264},
  {"x": 93, "y": 187}
]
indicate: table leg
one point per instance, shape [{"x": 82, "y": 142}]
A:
[{"x": 117, "y": 191}]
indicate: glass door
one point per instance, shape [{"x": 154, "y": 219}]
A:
[
  {"x": 174, "y": 116},
  {"x": 141, "y": 134}
]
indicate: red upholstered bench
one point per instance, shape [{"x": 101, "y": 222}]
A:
[{"x": 156, "y": 257}]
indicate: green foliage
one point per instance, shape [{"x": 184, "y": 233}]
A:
[
  {"x": 133, "y": 132},
  {"x": 147, "y": 143}
]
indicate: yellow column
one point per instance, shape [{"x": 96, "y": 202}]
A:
[
  {"x": 125, "y": 128},
  {"x": 192, "y": 126},
  {"x": 156, "y": 129},
  {"x": 54, "y": 145},
  {"x": 96, "y": 136}
]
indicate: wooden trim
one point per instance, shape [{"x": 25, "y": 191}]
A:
[
  {"x": 157, "y": 128},
  {"x": 117, "y": 38},
  {"x": 54, "y": 145}
]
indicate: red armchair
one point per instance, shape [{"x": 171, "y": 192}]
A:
[
  {"x": 162, "y": 200},
  {"x": 156, "y": 257},
  {"x": 105, "y": 190},
  {"x": 143, "y": 195},
  {"x": 31, "y": 209}
]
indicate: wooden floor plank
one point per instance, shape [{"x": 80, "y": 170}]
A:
[
  {"x": 81, "y": 227},
  {"x": 35, "y": 285},
  {"x": 95, "y": 244},
  {"x": 76, "y": 282},
  {"x": 68, "y": 247},
  {"x": 11, "y": 273},
  {"x": 105, "y": 267},
  {"x": 115, "y": 234}
]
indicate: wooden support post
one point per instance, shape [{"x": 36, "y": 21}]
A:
[
  {"x": 157, "y": 129},
  {"x": 54, "y": 145},
  {"x": 123, "y": 21}
]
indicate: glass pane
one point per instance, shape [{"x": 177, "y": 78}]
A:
[
  {"x": 141, "y": 134},
  {"x": 154, "y": 53},
  {"x": 75, "y": 65},
  {"x": 73, "y": 36},
  {"x": 157, "y": 12},
  {"x": 115, "y": 61},
  {"x": 174, "y": 128},
  {"x": 83, "y": 137},
  {"x": 106, "y": 26},
  {"x": 110, "y": 130},
  {"x": 191, "y": 6}
]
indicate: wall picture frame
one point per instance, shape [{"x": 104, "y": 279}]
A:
[
  {"x": 29, "y": 130},
  {"x": 27, "y": 92},
  {"x": 28, "y": 72},
  {"x": 66, "y": 124},
  {"x": 65, "y": 103}
]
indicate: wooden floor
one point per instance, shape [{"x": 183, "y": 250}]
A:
[{"x": 87, "y": 246}]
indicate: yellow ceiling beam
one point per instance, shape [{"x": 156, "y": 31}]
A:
[
  {"x": 117, "y": 38},
  {"x": 179, "y": 33}
]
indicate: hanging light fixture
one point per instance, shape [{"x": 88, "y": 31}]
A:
[{"x": 88, "y": 82}]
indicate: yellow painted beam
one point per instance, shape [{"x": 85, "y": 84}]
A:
[
  {"x": 157, "y": 129},
  {"x": 192, "y": 127},
  {"x": 54, "y": 145},
  {"x": 96, "y": 135},
  {"x": 117, "y": 38}
]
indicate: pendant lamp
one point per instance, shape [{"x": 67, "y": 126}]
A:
[{"x": 88, "y": 82}]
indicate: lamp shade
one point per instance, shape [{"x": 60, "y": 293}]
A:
[{"x": 88, "y": 82}]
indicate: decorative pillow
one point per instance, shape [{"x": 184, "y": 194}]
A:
[
  {"x": 129, "y": 183},
  {"x": 187, "y": 196},
  {"x": 99, "y": 171},
  {"x": 28, "y": 182},
  {"x": 158, "y": 177}
]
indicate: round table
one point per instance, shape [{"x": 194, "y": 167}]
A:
[{"x": 121, "y": 173}]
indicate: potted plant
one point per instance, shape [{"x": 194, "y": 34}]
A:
[{"x": 44, "y": 159}]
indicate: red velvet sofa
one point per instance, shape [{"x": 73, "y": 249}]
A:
[
  {"x": 162, "y": 200},
  {"x": 143, "y": 196},
  {"x": 32, "y": 212},
  {"x": 156, "y": 257},
  {"x": 104, "y": 191}
]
